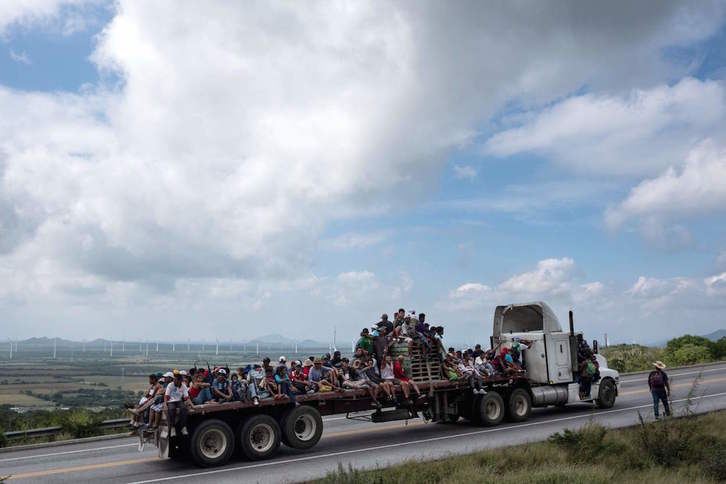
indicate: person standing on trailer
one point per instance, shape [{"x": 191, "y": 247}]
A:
[{"x": 660, "y": 388}]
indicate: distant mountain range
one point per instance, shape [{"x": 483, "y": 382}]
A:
[
  {"x": 270, "y": 340},
  {"x": 716, "y": 335}
]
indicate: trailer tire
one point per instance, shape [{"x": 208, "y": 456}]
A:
[
  {"x": 490, "y": 409},
  {"x": 212, "y": 443},
  {"x": 606, "y": 394},
  {"x": 259, "y": 437},
  {"x": 519, "y": 405},
  {"x": 301, "y": 427}
]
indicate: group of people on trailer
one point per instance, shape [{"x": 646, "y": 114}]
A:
[{"x": 372, "y": 368}]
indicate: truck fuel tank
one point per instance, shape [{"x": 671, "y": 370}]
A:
[{"x": 549, "y": 395}]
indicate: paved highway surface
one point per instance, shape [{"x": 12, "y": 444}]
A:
[{"x": 350, "y": 442}]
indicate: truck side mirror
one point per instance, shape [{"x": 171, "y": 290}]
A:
[{"x": 594, "y": 346}]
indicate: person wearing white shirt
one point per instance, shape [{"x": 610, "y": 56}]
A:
[{"x": 176, "y": 398}]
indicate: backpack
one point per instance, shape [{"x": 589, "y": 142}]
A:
[
  {"x": 656, "y": 379},
  {"x": 590, "y": 369}
]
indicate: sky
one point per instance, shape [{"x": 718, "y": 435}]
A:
[{"x": 230, "y": 170}]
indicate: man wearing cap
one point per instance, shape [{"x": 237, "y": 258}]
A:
[
  {"x": 660, "y": 388},
  {"x": 221, "y": 390},
  {"x": 176, "y": 398}
]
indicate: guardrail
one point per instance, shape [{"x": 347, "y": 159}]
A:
[{"x": 45, "y": 431}]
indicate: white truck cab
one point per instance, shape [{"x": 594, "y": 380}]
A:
[{"x": 551, "y": 355}]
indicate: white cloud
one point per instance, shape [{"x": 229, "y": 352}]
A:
[
  {"x": 698, "y": 188},
  {"x": 716, "y": 285},
  {"x": 33, "y": 11},
  {"x": 637, "y": 134},
  {"x": 356, "y": 240},
  {"x": 465, "y": 172},
  {"x": 552, "y": 277},
  {"x": 20, "y": 58},
  {"x": 231, "y": 143}
]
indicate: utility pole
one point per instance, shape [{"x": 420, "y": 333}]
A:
[
  {"x": 55, "y": 342},
  {"x": 258, "y": 349},
  {"x": 216, "y": 351},
  {"x": 173, "y": 347},
  {"x": 84, "y": 345},
  {"x": 295, "y": 348},
  {"x": 157, "y": 346},
  {"x": 11, "y": 350},
  {"x": 111, "y": 355},
  {"x": 189, "y": 346},
  {"x": 123, "y": 347},
  {"x": 147, "y": 351}
]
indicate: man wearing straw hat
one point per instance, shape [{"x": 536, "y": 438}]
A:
[{"x": 659, "y": 388}]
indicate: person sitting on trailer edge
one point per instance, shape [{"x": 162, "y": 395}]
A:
[
  {"x": 256, "y": 384},
  {"x": 176, "y": 399},
  {"x": 199, "y": 391},
  {"x": 317, "y": 377},
  {"x": 284, "y": 384},
  {"x": 238, "y": 386},
  {"x": 140, "y": 414},
  {"x": 400, "y": 374},
  {"x": 221, "y": 390}
]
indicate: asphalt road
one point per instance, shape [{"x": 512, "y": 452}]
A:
[{"x": 355, "y": 443}]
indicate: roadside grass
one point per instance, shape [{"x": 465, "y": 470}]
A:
[{"x": 687, "y": 449}]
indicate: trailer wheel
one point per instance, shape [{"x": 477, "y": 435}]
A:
[
  {"x": 301, "y": 427},
  {"x": 519, "y": 405},
  {"x": 259, "y": 437},
  {"x": 606, "y": 394},
  {"x": 212, "y": 443},
  {"x": 491, "y": 409}
]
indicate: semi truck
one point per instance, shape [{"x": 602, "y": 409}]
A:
[{"x": 216, "y": 431}]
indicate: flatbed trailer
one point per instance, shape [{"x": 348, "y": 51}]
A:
[{"x": 217, "y": 430}]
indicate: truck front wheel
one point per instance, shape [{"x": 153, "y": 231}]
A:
[
  {"x": 519, "y": 405},
  {"x": 259, "y": 437},
  {"x": 491, "y": 409},
  {"x": 212, "y": 443},
  {"x": 606, "y": 394},
  {"x": 302, "y": 427}
]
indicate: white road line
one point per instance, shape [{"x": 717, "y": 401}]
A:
[
  {"x": 412, "y": 442},
  {"x": 671, "y": 376},
  {"x": 37, "y": 456}
]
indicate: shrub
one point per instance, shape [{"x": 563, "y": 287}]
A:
[
  {"x": 582, "y": 445},
  {"x": 689, "y": 354},
  {"x": 3, "y": 439},
  {"x": 81, "y": 424},
  {"x": 677, "y": 343},
  {"x": 666, "y": 442}
]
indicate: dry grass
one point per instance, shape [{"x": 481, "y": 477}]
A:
[
  {"x": 22, "y": 400},
  {"x": 592, "y": 454}
]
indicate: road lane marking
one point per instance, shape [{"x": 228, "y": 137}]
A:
[
  {"x": 677, "y": 385},
  {"x": 412, "y": 442},
  {"x": 38, "y": 456},
  {"x": 89, "y": 467}
]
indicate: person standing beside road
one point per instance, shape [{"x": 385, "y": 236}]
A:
[{"x": 660, "y": 388}]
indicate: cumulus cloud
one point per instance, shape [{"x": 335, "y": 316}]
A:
[
  {"x": 640, "y": 133},
  {"x": 698, "y": 188},
  {"x": 229, "y": 144},
  {"x": 553, "y": 280}
]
